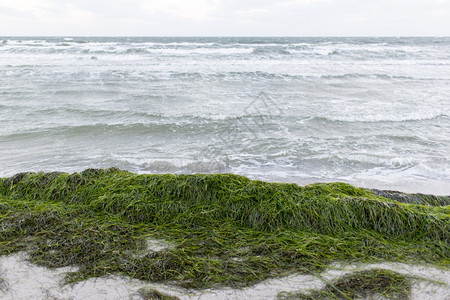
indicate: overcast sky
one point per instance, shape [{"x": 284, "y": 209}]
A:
[{"x": 225, "y": 17}]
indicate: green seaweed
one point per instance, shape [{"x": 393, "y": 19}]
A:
[
  {"x": 3, "y": 285},
  {"x": 362, "y": 284},
  {"x": 152, "y": 294},
  {"x": 227, "y": 230}
]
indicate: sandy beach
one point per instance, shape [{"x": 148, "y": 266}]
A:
[{"x": 23, "y": 280}]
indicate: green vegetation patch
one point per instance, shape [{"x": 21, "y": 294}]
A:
[
  {"x": 152, "y": 294},
  {"x": 3, "y": 285},
  {"x": 374, "y": 282},
  {"x": 227, "y": 230}
]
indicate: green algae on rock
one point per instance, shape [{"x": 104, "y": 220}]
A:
[{"x": 227, "y": 230}]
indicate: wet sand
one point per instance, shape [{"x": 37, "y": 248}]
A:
[{"x": 23, "y": 280}]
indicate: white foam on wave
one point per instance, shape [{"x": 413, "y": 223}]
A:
[
  {"x": 226, "y": 51},
  {"x": 394, "y": 116},
  {"x": 415, "y": 179}
]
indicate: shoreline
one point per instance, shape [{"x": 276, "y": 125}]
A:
[{"x": 435, "y": 188}]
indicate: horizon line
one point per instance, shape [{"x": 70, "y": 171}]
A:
[{"x": 242, "y": 36}]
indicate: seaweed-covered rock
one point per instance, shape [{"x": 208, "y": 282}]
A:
[{"x": 360, "y": 285}]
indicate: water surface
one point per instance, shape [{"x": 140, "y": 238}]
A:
[{"x": 373, "y": 112}]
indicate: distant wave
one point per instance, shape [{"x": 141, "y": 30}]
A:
[
  {"x": 271, "y": 50},
  {"x": 272, "y": 75},
  {"x": 371, "y": 76},
  {"x": 332, "y": 50},
  {"x": 371, "y": 118}
]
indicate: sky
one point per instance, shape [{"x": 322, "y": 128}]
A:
[{"x": 225, "y": 17}]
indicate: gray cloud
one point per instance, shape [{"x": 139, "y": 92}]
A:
[{"x": 221, "y": 17}]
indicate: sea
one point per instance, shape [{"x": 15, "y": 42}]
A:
[{"x": 370, "y": 111}]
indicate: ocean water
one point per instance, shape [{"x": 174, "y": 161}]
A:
[{"x": 374, "y": 112}]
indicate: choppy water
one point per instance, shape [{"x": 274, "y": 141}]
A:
[{"x": 373, "y": 112}]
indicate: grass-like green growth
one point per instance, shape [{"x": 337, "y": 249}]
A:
[
  {"x": 227, "y": 229},
  {"x": 152, "y": 294},
  {"x": 3, "y": 285},
  {"x": 359, "y": 285}
]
